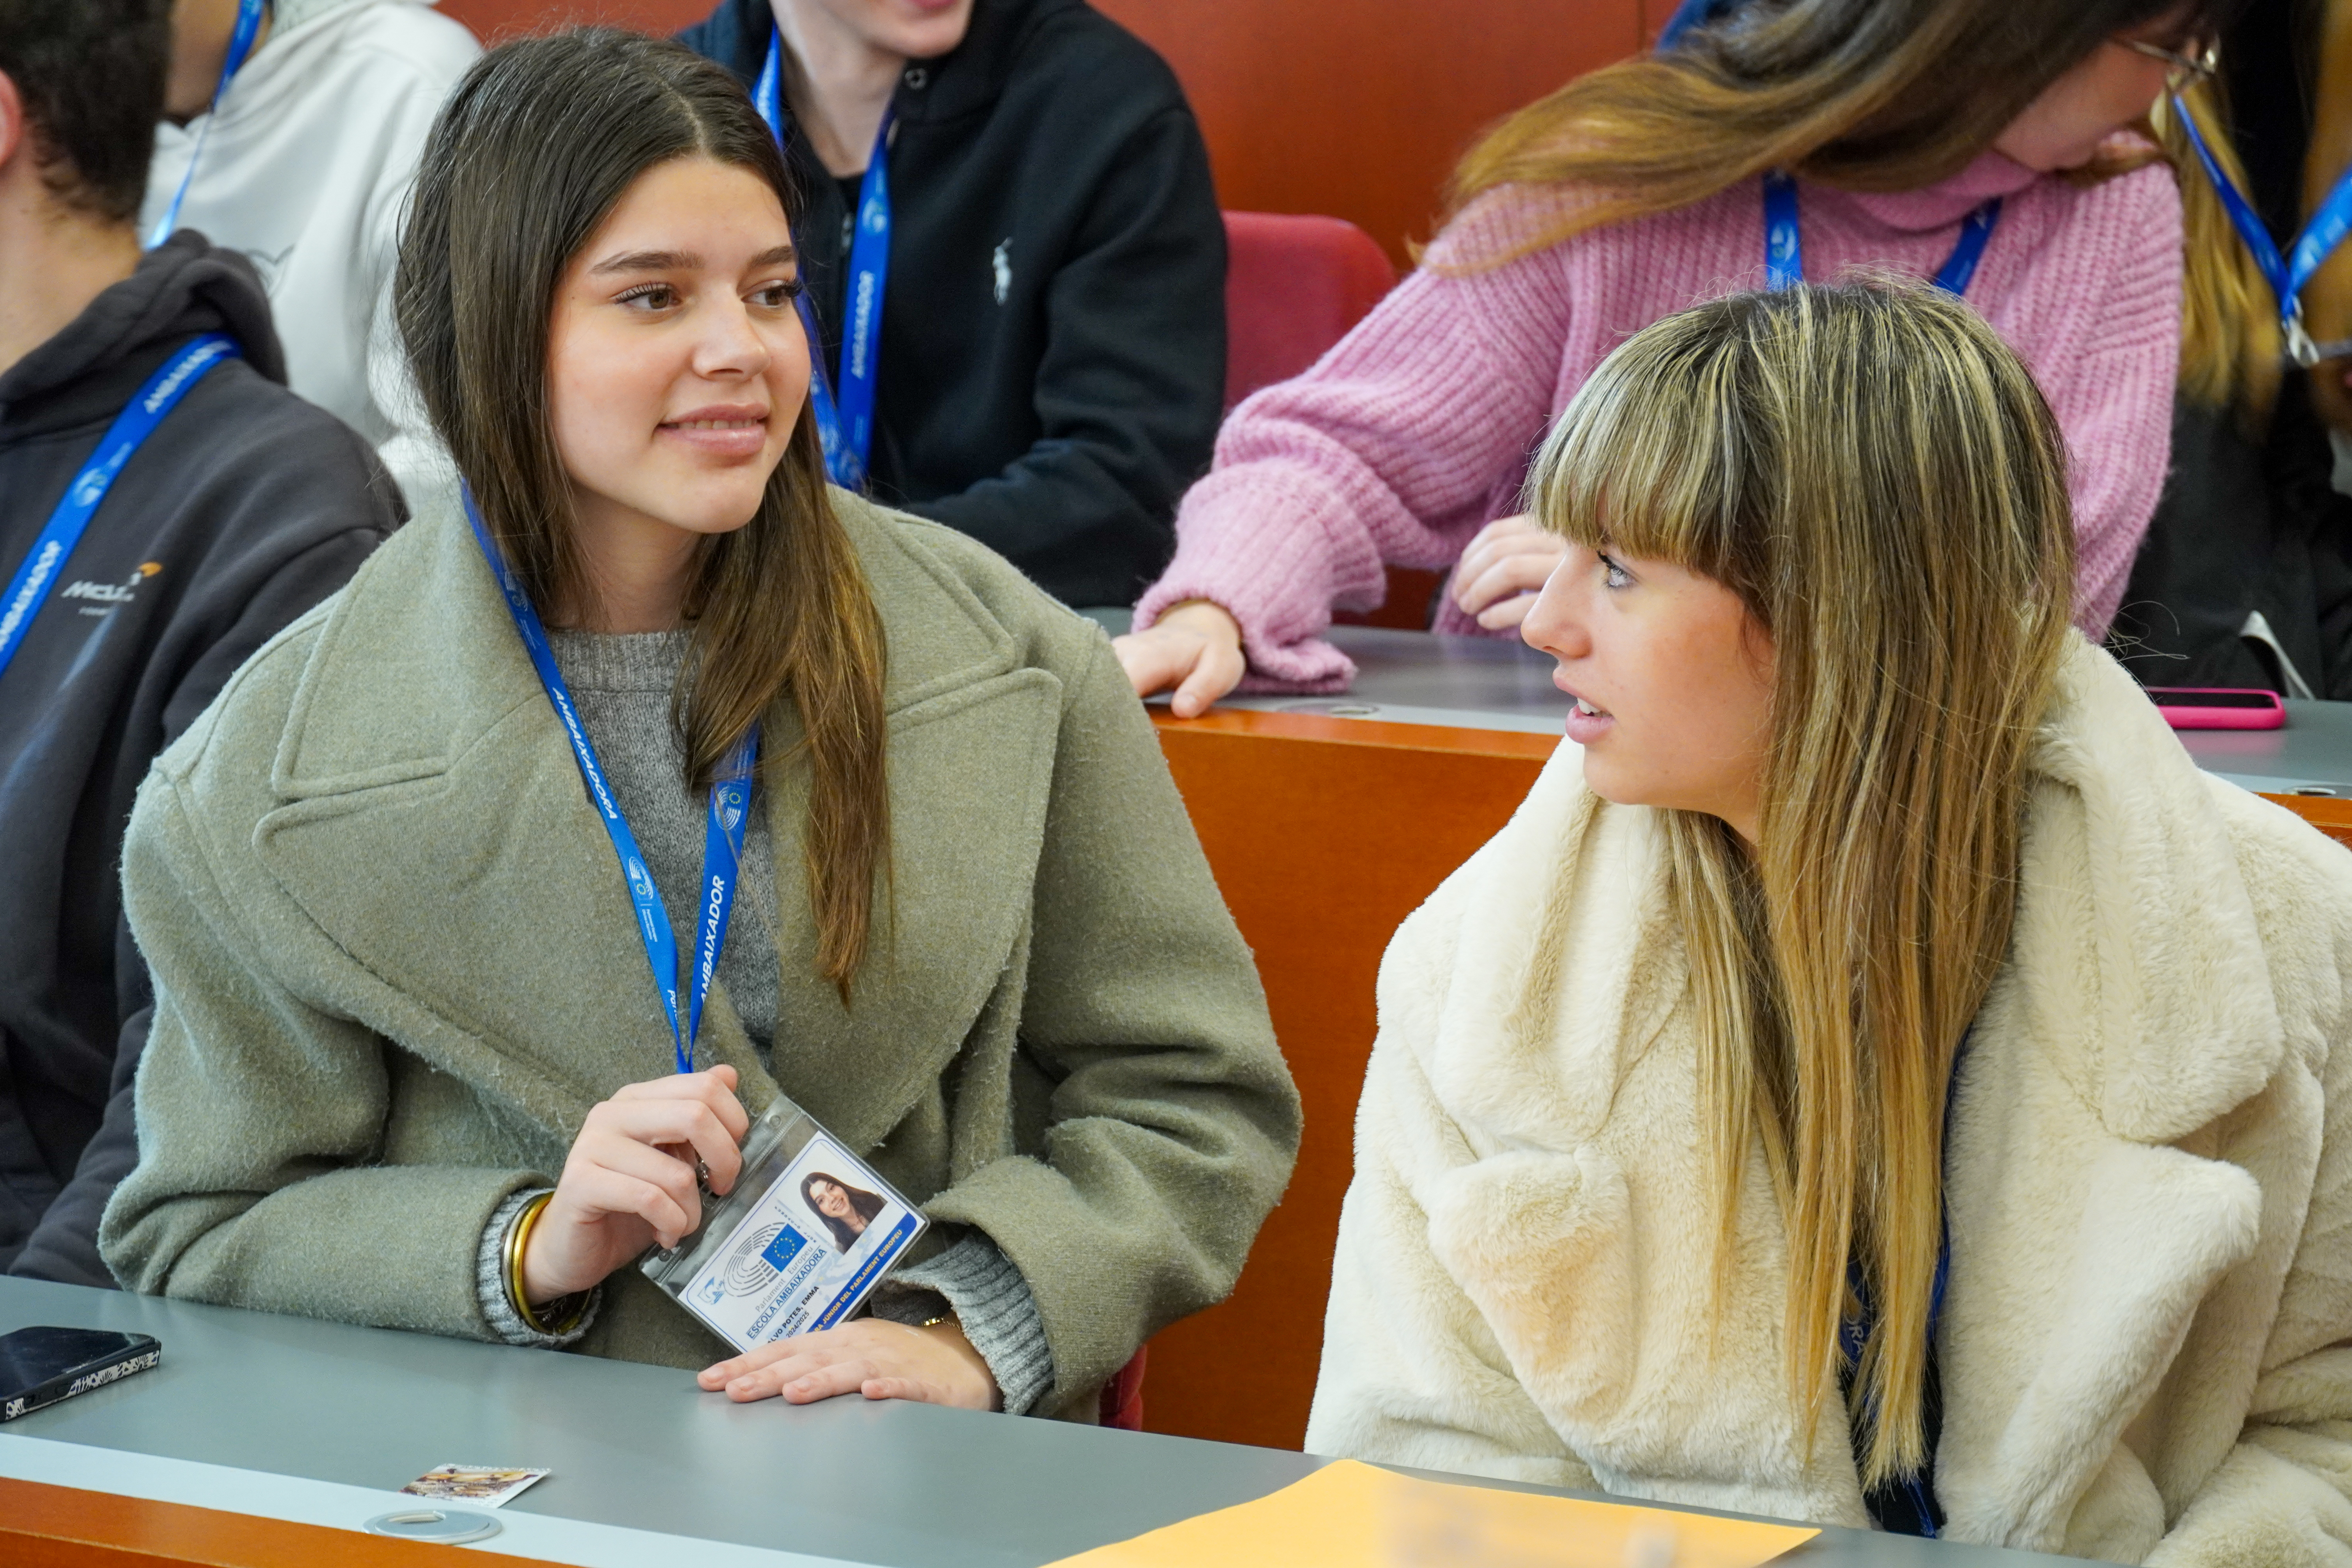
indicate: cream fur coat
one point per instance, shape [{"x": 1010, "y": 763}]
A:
[{"x": 2146, "y": 1344}]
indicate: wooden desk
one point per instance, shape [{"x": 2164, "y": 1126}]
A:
[
  {"x": 265, "y": 1442},
  {"x": 1326, "y": 831}
]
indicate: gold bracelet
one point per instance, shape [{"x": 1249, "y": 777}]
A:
[{"x": 517, "y": 1240}]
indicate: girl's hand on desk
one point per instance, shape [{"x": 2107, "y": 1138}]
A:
[
  {"x": 872, "y": 1356},
  {"x": 1195, "y": 646},
  {"x": 1508, "y": 562},
  {"x": 629, "y": 1179}
]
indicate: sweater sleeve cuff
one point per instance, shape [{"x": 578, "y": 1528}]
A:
[
  {"x": 1310, "y": 665},
  {"x": 491, "y": 1283},
  {"x": 995, "y": 1308}
]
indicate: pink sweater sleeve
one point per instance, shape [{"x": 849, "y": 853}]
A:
[
  {"x": 2109, "y": 377},
  {"x": 1387, "y": 450}
]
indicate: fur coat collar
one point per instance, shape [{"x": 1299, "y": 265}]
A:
[{"x": 2143, "y": 1242}]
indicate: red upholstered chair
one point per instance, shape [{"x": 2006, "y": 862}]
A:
[
  {"x": 1295, "y": 283},
  {"x": 1122, "y": 1396}
]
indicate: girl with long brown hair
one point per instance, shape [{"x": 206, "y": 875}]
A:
[
  {"x": 401, "y": 887},
  {"x": 1876, "y": 1077},
  {"x": 1975, "y": 142}
]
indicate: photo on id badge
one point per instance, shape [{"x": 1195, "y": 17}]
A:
[{"x": 808, "y": 1253}]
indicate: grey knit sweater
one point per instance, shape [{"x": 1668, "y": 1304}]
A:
[{"x": 622, "y": 686}]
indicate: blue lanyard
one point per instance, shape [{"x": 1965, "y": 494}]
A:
[
  {"x": 722, "y": 834},
  {"x": 1688, "y": 15},
  {"x": 1854, "y": 1332},
  {"x": 28, "y": 589},
  {"x": 844, "y": 422},
  {"x": 240, "y": 45},
  {"x": 2287, "y": 274},
  {"x": 1784, "y": 243}
]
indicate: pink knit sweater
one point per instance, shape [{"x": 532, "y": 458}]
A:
[{"x": 1417, "y": 428}]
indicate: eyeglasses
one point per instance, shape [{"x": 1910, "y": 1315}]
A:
[{"x": 2182, "y": 71}]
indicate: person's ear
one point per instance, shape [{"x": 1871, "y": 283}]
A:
[
  {"x": 12, "y": 118},
  {"x": 1763, "y": 655}
]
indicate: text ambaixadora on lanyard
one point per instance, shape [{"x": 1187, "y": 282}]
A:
[
  {"x": 28, "y": 589},
  {"x": 2287, "y": 274},
  {"x": 845, "y": 417},
  {"x": 723, "y": 826},
  {"x": 240, "y": 46}
]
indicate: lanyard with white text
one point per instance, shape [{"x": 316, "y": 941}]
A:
[
  {"x": 1784, "y": 243},
  {"x": 2287, "y": 274},
  {"x": 723, "y": 834},
  {"x": 28, "y": 589},
  {"x": 240, "y": 45},
  {"x": 845, "y": 417}
]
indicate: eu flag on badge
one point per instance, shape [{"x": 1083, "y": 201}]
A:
[{"x": 784, "y": 1248}]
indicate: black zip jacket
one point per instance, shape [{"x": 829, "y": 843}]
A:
[
  {"x": 1052, "y": 358},
  {"x": 2250, "y": 523},
  {"x": 244, "y": 509}
]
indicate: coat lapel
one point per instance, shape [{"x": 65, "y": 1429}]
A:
[
  {"x": 2101, "y": 1210},
  {"x": 974, "y": 741},
  {"x": 437, "y": 829},
  {"x": 1565, "y": 1052},
  {"x": 2137, "y": 1009}
]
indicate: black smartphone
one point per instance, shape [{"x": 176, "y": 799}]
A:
[{"x": 40, "y": 1366}]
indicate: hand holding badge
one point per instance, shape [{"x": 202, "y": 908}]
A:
[{"x": 801, "y": 1239}]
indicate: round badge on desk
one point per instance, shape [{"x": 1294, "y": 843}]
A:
[{"x": 449, "y": 1526}]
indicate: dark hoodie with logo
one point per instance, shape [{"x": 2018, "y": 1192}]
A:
[
  {"x": 1052, "y": 355},
  {"x": 244, "y": 508}
]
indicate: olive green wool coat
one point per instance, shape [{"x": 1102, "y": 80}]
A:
[{"x": 395, "y": 965}]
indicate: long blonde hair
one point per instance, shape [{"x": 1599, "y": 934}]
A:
[
  {"x": 1876, "y": 477},
  {"x": 1869, "y": 95}
]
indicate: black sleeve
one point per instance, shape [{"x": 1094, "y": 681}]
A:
[
  {"x": 1132, "y": 381},
  {"x": 304, "y": 579},
  {"x": 64, "y": 1244}
]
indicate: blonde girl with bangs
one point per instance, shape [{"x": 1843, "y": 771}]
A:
[
  {"x": 1998, "y": 146},
  {"x": 1876, "y": 1078}
]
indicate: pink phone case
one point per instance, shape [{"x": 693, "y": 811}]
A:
[{"x": 2181, "y": 710}]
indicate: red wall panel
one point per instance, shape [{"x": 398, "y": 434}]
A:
[
  {"x": 1355, "y": 108},
  {"x": 496, "y": 19},
  {"x": 1360, "y": 108}
]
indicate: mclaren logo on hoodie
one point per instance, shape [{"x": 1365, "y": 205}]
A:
[{"x": 101, "y": 598}]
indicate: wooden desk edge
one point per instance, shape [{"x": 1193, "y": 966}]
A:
[
  {"x": 43, "y": 1526},
  {"x": 2331, "y": 815},
  {"x": 1373, "y": 732}
]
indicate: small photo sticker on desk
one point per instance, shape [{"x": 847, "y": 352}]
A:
[{"x": 488, "y": 1486}]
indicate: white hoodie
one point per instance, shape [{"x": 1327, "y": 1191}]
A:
[{"x": 307, "y": 170}]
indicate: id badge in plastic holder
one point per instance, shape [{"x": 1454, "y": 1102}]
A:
[{"x": 806, "y": 1234}]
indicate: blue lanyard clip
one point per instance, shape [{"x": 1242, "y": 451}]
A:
[{"x": 2299, "y": 346}]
